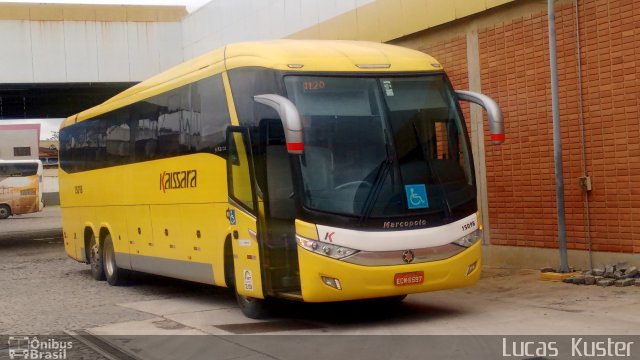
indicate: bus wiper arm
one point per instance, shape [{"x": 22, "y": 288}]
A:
[
  {"x": 387, "y": 148},
  {"x": 372, "y": 196}
]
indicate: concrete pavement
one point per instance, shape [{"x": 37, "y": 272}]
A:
[{"x": 504, "y": 302}]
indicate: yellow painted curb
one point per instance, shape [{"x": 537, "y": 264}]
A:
[{"x": 554, "y": 276}]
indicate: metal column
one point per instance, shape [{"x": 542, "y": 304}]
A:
[{"x": 557, "y": 141}]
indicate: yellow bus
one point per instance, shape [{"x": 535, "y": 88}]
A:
[
  {"x": 315, "y": 171},
  {"x": 20, "y": 187}
]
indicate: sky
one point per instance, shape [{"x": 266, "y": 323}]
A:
[{"x": 191, "y": 5}]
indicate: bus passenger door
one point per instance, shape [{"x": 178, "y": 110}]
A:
[{"x": 243, "y": 213}]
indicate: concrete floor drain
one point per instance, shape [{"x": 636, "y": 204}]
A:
[{"x": 268, "y": 326}]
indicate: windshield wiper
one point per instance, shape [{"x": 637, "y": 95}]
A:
[
  {"x": 378, "y": 181},
  {"x": 372, "y": 196}
]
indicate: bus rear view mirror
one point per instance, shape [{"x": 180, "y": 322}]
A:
[
  {"x": 290, "y": 118},
  {"x": 496, "y": 125}
]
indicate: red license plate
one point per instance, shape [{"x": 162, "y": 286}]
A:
[{"x": 411, "y": 278}]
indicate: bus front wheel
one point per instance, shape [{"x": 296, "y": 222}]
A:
[
  {"x": 115, "y": 275},
  {"x": 95, "y": 258},
  {"x": 253, "y": 308},
  {"x": 5, "y": 211}
]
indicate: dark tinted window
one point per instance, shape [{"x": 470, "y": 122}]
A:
[
  {"x": 186, "y": 120},
  {"x": 248, "y": 82},
  {"x": 17, "y": 169},
  {"x": 22, "y": 151}
]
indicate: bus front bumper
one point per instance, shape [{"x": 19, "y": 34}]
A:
[{"x": 365, "y": 282}]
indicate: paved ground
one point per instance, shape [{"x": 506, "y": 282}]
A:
[{"x": 44, "y": 292}]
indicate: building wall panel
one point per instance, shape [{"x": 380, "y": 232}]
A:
[
  {"x": 16, "y": 59},
  {"x": 81, "y": 51},
  {"x": 113, "y": 51},
  {"x": 143, "y": 49},
  {"x": 221, "y": 22},
  {"x": 47, "y": 44}
]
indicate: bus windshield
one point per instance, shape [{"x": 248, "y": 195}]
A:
[{"x": 382, "y": 146}]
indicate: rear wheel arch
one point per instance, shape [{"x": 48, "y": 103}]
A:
[{"x": 104, "y": 231}]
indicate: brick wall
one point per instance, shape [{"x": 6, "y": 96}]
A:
[
  {"x": 514, "y": 66},
  {"x": 521, "y": 181}
]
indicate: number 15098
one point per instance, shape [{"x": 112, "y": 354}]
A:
[{"x": 468, "y": 226}]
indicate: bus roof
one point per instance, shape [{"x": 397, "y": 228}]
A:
[{"x": 290, "y": 55}]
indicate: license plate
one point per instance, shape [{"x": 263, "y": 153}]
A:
[{"x": 411, "y": 278}]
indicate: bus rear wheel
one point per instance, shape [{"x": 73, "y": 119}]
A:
[
  {"x": 5, "y": 211},
  {"x": 253, "y": 308},
  {"x": 115, "y": 275},
  {"x": 95, "y": 258}
]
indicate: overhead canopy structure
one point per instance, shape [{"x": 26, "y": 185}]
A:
[{"x": 57, "y": 100}]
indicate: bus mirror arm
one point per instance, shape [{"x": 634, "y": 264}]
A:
[
  {"x": 290, "y": 118},
  {"x": 496, "y": 124}
]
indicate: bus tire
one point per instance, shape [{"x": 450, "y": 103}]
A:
[
  {"x": 115, "y": 276},
  {"x": 5, "y": 211},
  {"x": 253, "y": 308},
  {"x": 95, "y": 259}
]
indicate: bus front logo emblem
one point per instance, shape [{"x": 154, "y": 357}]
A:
[
  {"x": 329, "y": 236},
  {"x": 408, "y": 256}
]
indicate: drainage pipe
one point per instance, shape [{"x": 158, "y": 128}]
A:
[{"x": 583, "y": 160}]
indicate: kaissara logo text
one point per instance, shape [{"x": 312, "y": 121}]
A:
[{"x": 178, "y": 180}]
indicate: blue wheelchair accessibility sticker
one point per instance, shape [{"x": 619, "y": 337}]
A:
[
  {"x": 416, "y": 196},
  {"x": 232, "y": 217}
]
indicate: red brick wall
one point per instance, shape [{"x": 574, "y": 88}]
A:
[
  {"x": 521, "y": 181},
  {"x": 452, "y": 54},
  {"x": 514, "y": 65}
]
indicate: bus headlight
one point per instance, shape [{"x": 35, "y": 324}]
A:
[
  {"x": 326, "y": 249},
  {"x": 469, "y": 239}
]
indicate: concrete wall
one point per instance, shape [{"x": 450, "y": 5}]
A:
[
  {"x": 50, "y": 187},
  {"x": 221, "y": 21},
  {"x": 66, "y": 43},
  {"x": 12, "y": 136},
  {"x": 50, "y": 181}
]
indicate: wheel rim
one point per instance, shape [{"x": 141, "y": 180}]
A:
[
  {"x": 108, "y": 259},
  {"x": 3, "y": 212}
]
